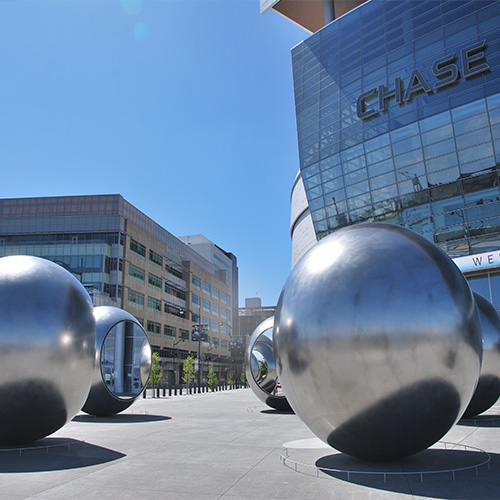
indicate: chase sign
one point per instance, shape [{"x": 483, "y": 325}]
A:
[{"x": 446, "y": 70}]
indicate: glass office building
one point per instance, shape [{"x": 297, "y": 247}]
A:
[
  {"x": 125, "y": 259},
  {"x": 398, "y": 118}
]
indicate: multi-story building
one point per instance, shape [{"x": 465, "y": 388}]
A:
[
  {"x": 225, "y": 266},
  {"x": 250, "y": 317},
  {"x": 126, "y": 259},
  {"x": 398, "y": 120}
]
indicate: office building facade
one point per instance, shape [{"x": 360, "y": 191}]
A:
[
  {"x": 398, "y": 120},
  {"x": 127, "y": 260}
]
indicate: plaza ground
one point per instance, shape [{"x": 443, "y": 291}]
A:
[{"x": 227, "y": 445}]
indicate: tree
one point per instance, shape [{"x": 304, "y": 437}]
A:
[
  {"x": 243, "y": 377},
  {"x": 212, "y": 378},
  {"x": 263, "y": 370},
  {"x": 188, "y": 372},
  {"x": 230, "y": 378},
  {"x": 155, "y": 376}
]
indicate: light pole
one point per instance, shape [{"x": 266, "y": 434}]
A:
[
  {"x": 200, "y": 328},
  {"x": 199, "y": 349}
]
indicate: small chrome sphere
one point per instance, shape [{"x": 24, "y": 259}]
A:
[
  {"x": 122, "y": 362},
  {"x": 260, "y": 368},
  {"x": 47, "y": 343},
  {"x": 488, "y": 388},
  {"x": 377, "y": 341}
]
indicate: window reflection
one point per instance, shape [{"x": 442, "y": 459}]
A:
[
  {"x": 421, "y": 155},
  {"x": 122, "y": 358}
]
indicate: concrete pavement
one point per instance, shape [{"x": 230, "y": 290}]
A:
[{"x": 227, "y": 445}]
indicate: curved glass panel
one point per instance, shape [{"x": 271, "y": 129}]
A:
[
  {"x": 123, "y": 360},
  {"x": 262, "y": 363}
]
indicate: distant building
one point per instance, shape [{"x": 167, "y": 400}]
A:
[
  {"x": 126, "y": 259},
  {"x": 252, "y": 315},
  {"x": 225, "y": 266}
]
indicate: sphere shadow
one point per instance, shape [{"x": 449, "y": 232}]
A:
[
  {"x": 404, "y": 476},
  {"x": 401, "y": 424},
  {"x": 53, "y": 454},
  {"x": 30, "y": 410},
  {"x": 278, "y": 412},
  {"x": 122, "y": 418},
  {"x": 481, "y": 421}
]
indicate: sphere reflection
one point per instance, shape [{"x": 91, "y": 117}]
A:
[
  {"x": 47, "y": 341},
  {"x": 488, "y": 388},
  {"x": 261, "y": 369},
  {"x": 123, "y": 362},
  {"x": 377, "y": 341}
]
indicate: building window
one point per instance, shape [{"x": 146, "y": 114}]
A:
[
  {"x": 195, "y": 300},
  {"x": 215, "y": 309},
  {"x": 206, "y": 288},
  {"x": 136, "y": 299},
  {"x": 138, "y": 248},
  {"x": 223, "y": 313},
  {"x": 154, "y": 281},
  {"x": 223, "y": 328},
  {"x": 195, "y": 318},
  {"x": 215, "y": 293},
  {"x": 223, "y": 298},
  {"x": 206, "y": 321},
  {"x": 155, "y": 258},
  {"x": 115, "y": 291},
  {"x": 154, "y": 305},
  {"x": 175, "y": 292},
  {"x": 168, "y": 331},
  {"x": 223, "y": 343},
  {"x": 136, "y": 273},
  {"x": 196, "y": 282},
  {"x": 116, "y": 264},
  {"x": 174, "y": 272},
  {"x": 215, "y": 342},
  {"x": 215, "y": 326},
  {"x": 206, "y": 305},
  {"x": 153, "y": 327},
  {"x": 184, "y": 334}
]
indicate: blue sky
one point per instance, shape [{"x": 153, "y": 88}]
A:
[{"x": 184, "y": 107}]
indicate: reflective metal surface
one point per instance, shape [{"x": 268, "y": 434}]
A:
[
  {"x": 47, "y": 343},
  {"x": 122, "y": 362},
  {"x": 377, "y": 341},
  {"x": 260, "y": 367},
  {"x": 488, "y": 388}
]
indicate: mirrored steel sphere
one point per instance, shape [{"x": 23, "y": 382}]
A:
[
  {"x": 122, "y": 362},
  {"x": 47, "y": 342},
  {"x": 260, "y": 367},
  {"x": 377, "y": 341},
  {"x": 488, "y": 388}
]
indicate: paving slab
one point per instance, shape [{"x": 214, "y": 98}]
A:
[{"x": 227, "y": 445}]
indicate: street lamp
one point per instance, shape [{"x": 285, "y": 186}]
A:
[{"x": 198, "y": 332}]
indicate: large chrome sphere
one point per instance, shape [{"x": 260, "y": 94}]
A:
[
  {"x": 488, "y": 388},
  {"x": 122, "y": 362},
  {"x": 261, "y": 369},
  {"x": 47, "y": 342},
  {"x": 377, "y": 341}
]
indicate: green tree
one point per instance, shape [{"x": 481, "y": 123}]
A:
[
  {"x": 212, "y": 378},
  {"x": 155, "y": 376},
  {"x": 243, "y": 377},
  {"x": 188, "y": 372},
  {"x": 263, "y": 369},
  {"x": 230, "y": 378}
]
